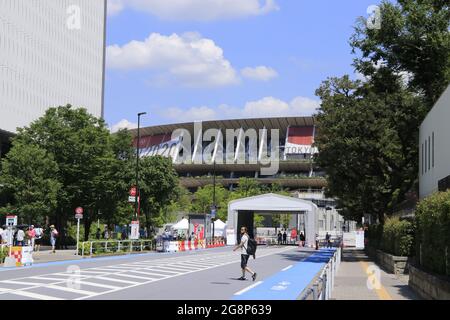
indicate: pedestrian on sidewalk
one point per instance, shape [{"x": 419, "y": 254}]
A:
[
  {"x": 280, "y": 237},
  {"x": 53, "y": 235},
  {"x": 39, "y": 233},
  {"x": 97, "y": 234},
  {"x": 302, "y": 239},
  {"x": 328, "y": 240},
  {"x": 31, "y": 233},
  {"x": 284, "y": 237},
  {"x": 244, "y": 255},
  {"x": 20, "y": 237}
]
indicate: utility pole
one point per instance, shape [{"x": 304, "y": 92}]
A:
[{"x": 138, "y": 193}]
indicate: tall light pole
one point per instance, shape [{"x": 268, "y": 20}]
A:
[{"x": 138, "y": 192}]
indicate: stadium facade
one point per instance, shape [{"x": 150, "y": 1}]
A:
[
  {"x": 270, "y": 150},
  {"x": 51, "y": 53}
]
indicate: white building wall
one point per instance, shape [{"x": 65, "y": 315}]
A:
[
  {"x": 47, "y": 61},
  {"x": 434, "y": 146}
]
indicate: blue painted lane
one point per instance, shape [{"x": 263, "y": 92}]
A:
[{"x": 287, "y": 285}]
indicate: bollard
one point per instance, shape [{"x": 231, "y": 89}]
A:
[
  {"x": 82, "y": 249},
  {"x": 131, "y": 246},
  {"x": 118, "y": 246},
  {"x": 90, "y": 249}
]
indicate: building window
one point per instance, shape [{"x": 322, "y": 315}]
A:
[{"x": 432, "y": 141}]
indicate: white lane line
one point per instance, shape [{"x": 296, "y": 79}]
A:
[
  {"x": 118, "y": 280},
  {"x": 73, "y": 290},
  {"x": 95, "y": 284},
  {"x": 34, "y": 295},
  {"x": 119, "y": 267},
  {"x": 248, "y": 288},
  {"x": 182, "y": 267},
  {"x": 287, "y": 268}
]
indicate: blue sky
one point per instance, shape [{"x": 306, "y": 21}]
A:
[{"x": 185, "y": 60}]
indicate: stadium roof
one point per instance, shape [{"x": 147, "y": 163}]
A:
[{"x": 256, "y": 123}]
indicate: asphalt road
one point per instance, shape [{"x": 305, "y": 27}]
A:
[{"x": 197, "y": 275}]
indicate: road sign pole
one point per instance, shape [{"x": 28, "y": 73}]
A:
[{"x": 78, "y": 235}]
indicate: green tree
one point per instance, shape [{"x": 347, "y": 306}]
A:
[
  {"x": 203, "y": 200},
  {"x": 158, "y": 182},
  {"x": 29, "y": 175},
  {"x": 368, "y": 137},
  {"x": 80, "y": 145},
  {"x": 414, "y": 38}
]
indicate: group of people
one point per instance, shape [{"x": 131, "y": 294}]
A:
[
  {"x": 28, "y": 236},
  {"x": 282, "y": 238}
]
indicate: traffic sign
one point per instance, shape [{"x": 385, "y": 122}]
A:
[
  {"x": 78, "y": 216},
  {"x": 79, "y": 210},
  {"x": 133, "y": 192},
  {"x": 131, "y": 199},
  {"x": 11, "y": 220}
]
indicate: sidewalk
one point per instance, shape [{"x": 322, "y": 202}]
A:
[
  {"x": 351, "y": 282},
  {"x": 60, "y": 255}
]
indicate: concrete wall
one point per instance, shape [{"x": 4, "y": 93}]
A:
[
  {"x": 427, "y": 285},
  {"x": 434, "y": 146},
  {"x": 48, "y": 59}
]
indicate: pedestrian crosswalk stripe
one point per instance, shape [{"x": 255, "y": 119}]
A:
[
  {"x": 117, "y": 280},
  {"x": 33, "y": 295},
  {"x": 164, "y": 270},
  {"x": 132, "y": 276},
  {"x": 95, "y": 284},
  {"x": 148, "y": 273},
  {"x": 46, "y": 278},
  {"x": 73, "y": 290}
]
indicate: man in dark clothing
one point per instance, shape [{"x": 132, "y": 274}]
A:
[
  {"x": 284, "y": 237},
  {"x": 279, "y": 237}
]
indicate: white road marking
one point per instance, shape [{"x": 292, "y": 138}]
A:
[
  {"x": 248, "y": 288},
  {"x": 73, "y": 290},
  {"x": 100, "y": 285},
  {"x": 132, "y": 276},
  {"x": 117, "y": 280},
  {"x": 162, "y": 268},
  {"x": 34, "y": 295},
  {"x": 287, "y": 268}
]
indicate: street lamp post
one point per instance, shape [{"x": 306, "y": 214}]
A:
[{"x": 138, "y": 193}]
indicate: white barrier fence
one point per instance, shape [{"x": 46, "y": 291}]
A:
[
  {"x": 88, "y": 248},
  {"x": 322, "y": 287}
]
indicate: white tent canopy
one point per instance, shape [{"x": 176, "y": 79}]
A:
[
  {"x": 181, "y": 225},
  {"x": 272, "y": 203},
  {"x": 219, "y": 228}
]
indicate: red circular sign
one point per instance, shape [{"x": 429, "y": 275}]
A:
[
  {"x": 79, "y": 210},
  {"x": 133, "y": 192}
]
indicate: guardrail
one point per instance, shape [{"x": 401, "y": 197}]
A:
[
  {"x": 322, "y": 287},
  {"x": 89, "y": 248}
]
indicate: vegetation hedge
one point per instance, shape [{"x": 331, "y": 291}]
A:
[
  {"x": 395, "y": 237},
  {"x": 433, "y": 233}
]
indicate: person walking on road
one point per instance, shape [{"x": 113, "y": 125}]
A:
[
  {"x": 302, "y": 239},
  {"x": 39, "y": 233},
  {"x": 284, "y": 237},
  {"x": 244, "y": 255},
  {"x": 53, "y": 236}
]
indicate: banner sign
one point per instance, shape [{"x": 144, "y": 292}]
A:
[
  {"x": 134, "y": 230},
  {"x": 300, "y": 140}
]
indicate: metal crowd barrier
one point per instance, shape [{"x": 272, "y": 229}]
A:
[
  {"x": 322, "y": 287},
  {"x": 88, "y": 248}
]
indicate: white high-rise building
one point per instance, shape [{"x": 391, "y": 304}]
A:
[{"x": 52, "y": 52}]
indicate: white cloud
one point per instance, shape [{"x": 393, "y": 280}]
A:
[
  {"x": 188, "y": 59},
  {"x": 123, "y": 124},
  {"x": 199, "y": 10},
  {"x": 261, "y": 73},
  {"x": 265, "y": 107}
]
